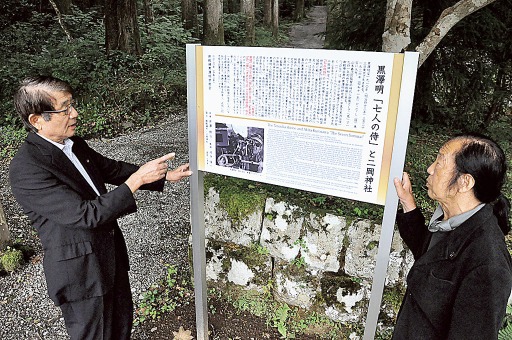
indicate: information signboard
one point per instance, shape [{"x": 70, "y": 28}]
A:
[
  {"x": 321, "y": 121},
  {"x": 326, "y": 121}
]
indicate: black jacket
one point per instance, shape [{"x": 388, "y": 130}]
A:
[
  {"x": 78, "y": 229},
  {"x": 459, "y": 288}
]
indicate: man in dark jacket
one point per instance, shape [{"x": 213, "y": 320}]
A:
[
  {"x": 59, "y": 181},
  {"x": 461, "y": 279}
]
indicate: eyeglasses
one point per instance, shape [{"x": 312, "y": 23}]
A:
[{"x": 66, "y": 111}]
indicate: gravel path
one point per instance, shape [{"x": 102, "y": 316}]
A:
[
  {"x": 310, "y": 32},
  {"x": 156, "y": 234}
]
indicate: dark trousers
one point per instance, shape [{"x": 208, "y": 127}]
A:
[{"x": 107, "y": 317}]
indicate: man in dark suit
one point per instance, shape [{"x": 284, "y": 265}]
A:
[{"x": 59, "y": 181}]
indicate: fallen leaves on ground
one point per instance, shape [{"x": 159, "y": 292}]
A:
[{"x": 182, "y": 334}]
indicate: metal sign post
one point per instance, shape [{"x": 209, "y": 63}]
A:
[{"x": 196, "y": 202}]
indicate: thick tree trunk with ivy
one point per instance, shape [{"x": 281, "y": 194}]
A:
[
  {"x": 5, "y": 236},
  {"x": 247, "y": 10},
  {"x": 299, "y": 12},
  {"x": 189, "y": 16},
  {"x": 213, "y": 24},
  {"x": 121, "y": 27},
  {"x": 396, "y": 35}
]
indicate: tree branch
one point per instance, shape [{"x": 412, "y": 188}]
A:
[
  {"x": 449, "y": 18},
  {"x": 59, "y": 17}
]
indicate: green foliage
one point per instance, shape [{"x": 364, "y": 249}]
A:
[
  {"x": 355, "y": 24},
  {"x": 10, "y": 139},
  {"x": 240, "y": 198},
  {"x": 234, "y": 29},
  {"x": 289, "y": 321},
  {"x": 163, "y": 297},
  {"x": 278, "y": 320},
  {"x": 392, "y": 296},
  {"x": 299, "y": 262},
  {"x": 264, "y": 37},
  {"x": 475, "y": 60},
  {"x": 11, "y": 259},
  {"x": 301, "y": 243},
  {"x": 260, "y": 250},
  {"x": 506, "y": 330}
]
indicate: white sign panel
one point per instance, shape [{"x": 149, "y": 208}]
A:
[{"x": 317, "y": 120}]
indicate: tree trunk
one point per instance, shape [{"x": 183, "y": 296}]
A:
[
  {"x": 247, "y": 10},
  {"x": 397, "y": 27},
  {"x": 267, "y": 13},
  {"x": 298, "y": 13},
  {"x": 121, "y": 27},
  {"x": 149, "y": 17},
  {"x": 189, "y": 16},
  {"x": 213, "y": 24},
  {"x": 275, "y": 18},
  {"x": 5, "y": 236},
  {"x": 449, "y": 17}
]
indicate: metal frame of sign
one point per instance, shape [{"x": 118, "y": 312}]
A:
[
  {"x": 396, "y": 170},
  {"x": 408, "y": 79}
]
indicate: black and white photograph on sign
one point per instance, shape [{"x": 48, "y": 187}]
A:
[{"x": 239, "y": 147}]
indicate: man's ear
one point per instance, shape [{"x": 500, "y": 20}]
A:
[
  {"x": 466, "y": 182},
  {"x": 35, "y": 121}
]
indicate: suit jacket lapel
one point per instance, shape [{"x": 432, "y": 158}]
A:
[
  {"x": 92, "y": 171},
  {"x": 61, "y": 163}
]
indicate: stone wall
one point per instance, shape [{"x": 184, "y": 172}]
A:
[{"x": 322, "y": 263}]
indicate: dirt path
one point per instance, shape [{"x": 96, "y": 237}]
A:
[{"x": 310, "y": 32}]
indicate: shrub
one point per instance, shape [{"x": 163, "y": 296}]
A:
[
  {"x": 10, "y": 139},
  {"x": 11, "y": 259}
]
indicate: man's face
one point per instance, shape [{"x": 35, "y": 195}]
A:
[
  {"x": 61, "y": 125},
  {"x": 441, "y": 173}
]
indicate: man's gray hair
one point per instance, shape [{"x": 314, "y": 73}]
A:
[{"x": 34, "y": 97}]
